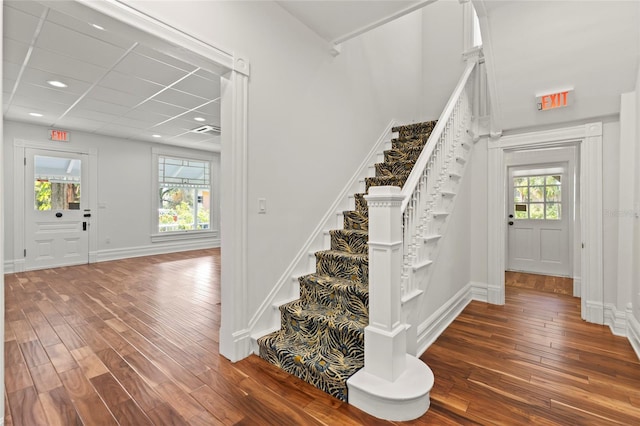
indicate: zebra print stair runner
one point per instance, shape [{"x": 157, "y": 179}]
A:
[{"x": 321, "y": 339}]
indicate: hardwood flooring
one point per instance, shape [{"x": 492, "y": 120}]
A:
[
  {"x": 135, "y": 342},
  {"x": 546, "y": 283}
]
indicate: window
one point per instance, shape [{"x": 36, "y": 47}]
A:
[
  {"x": 537, "y": 197},
  {"x": 56, "y": 183},
  {"x": 184, "y": 194},
  {"x": 477, "y": 36}
]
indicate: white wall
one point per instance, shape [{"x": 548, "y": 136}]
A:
[
  {"x": 312, "y": 117},
  {"x": 124, "y": 222},
  {"x": 442, "y": 47}
]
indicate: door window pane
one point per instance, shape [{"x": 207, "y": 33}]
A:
[
  {"x": 537, "y": 197},
  {"x": 56, "y": 183}
]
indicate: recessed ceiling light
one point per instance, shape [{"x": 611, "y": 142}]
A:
[
  {"x": 56, "y": 83},
  {"x": 35, "y": 114},
  {"x": 98, "y": 27},
  {"x": 199, "y": 119},
  {"x": 156, "y": 136}
]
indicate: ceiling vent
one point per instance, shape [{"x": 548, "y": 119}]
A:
[{"x": 207, "y": 128}]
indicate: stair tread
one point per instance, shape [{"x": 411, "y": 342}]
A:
[
  {"x": 329, "y": 315},
  {"x": 341, "y": 284},
  {"x": 338, "y": 253}
]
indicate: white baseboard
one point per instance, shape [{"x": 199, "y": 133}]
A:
[
  {"x": 479, "y": 291},
  {"x": 9, "y": 267},
  {"x": 438, "y": 322},
  {"x": 615, "y": 319},
  {"x": 633, "y": 332},
  {"x": 594, "y": 312},
  {"x": 577, "y": 286},
  {"x": 153, "y": 249}
]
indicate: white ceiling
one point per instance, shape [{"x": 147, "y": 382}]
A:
[
  {"x": 121, "y": 82},
  {"x": 539, "y": 47}
]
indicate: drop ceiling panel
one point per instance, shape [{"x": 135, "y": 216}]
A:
[
  {"x": 176, "y": 97},
  {"x": 49, "y": 108},
  {"x": 108, "y": 35},
  {"x": 76, "y": 123},
  {"x": 166, "y": 59},
  {"x": 29, "y": 7},
  {"x": 130, "y": 84},
  {"x": 166, "y": 130},
  {"x": 195, "y": 85},
  {"x": 73, "y": 44},
  {"x": 40, "y": 77},
  {"x": 146, "y": 116},
  {"x": 20, "y": 25},
  {"x": 93, "y": 115},
  {"x": 14, "y": 51},
  {"x": 134, "y": 123},
  {"x": 100, "y": 106},
  {"x": 149, "y": 69},
  {"x": 115, "y": 96},
  {"x": 162, "y": 108},
  {"x": 64, "y": 66},
  {"x": 196, "y": 137},
  {"x": 42, "y": 92},
  {"x": 10, "y": 70}
]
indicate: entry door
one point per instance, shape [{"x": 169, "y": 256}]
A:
[
  {"x": 539, "y": 214},
  {"x": 56, "y": 209}
]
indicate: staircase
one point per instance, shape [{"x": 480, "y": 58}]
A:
[{"x": 321, "y": 339}]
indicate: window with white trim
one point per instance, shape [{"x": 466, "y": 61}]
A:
[{"x": 184, "y": 194}]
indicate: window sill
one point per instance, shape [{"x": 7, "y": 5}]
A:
[{"x": 183, "y": 235}]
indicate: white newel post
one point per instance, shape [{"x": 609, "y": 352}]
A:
[
  {"x": 392, "y": 385},
  {"x": 385, "y": 337}
]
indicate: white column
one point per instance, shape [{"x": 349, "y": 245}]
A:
[
  {"x": 393, "y": 385},
  {"x": 384, "y": 338}
]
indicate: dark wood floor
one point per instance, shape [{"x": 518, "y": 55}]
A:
[
  {"x": 136, "y": 342},
  {"x": 545, "y": 283}
]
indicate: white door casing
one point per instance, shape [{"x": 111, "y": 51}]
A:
[
  {"x": 540, "y": 225},
  {"x": 587, "y": 243},
  {"x": 56, "y": 229}
]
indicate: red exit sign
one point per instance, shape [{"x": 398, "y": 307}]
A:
[
  {"x": 554, "y": 100},
  {"x": 59, "y": 135}
]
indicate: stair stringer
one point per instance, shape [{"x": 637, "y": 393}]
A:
[
  {"x": 287, "y": 288},
  {"x": 434, "y": 233}
]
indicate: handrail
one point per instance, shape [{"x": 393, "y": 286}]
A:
[{"x": 414, "y": 177}]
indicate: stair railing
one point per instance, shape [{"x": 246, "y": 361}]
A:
[{"x": 422, "y": 190}]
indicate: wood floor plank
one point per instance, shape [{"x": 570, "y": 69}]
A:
[{"x": 120, "y": 343}]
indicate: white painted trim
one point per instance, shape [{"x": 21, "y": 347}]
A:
[
  {"x": 615, "y": 319},
  {"x": 264, "y": 318},
  {"x": 589, "y": 137},
  {"x": 633, "y": 332},
  {"x": 154, "y": 249},
  {"x": 438, "y": 322},
  {"x": 234, "y": 214},
  {"x": 479, "y": 291}
]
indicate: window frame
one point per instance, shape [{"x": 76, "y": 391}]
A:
[{"x": 184, "y": 234}]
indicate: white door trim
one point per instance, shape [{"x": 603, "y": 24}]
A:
[
  {"x": 19, "y": 148},
  {"x": 589, "y": 140}
]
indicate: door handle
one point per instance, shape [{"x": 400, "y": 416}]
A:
[
  {"x": 84, "y": 226},
  {"x": 510, "y": 222},
  {"x": 59, "y": 214}
]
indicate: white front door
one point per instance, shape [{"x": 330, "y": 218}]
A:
[
  {"x": 539, "y": 216},
  {"x": 56, "y": 209}
]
